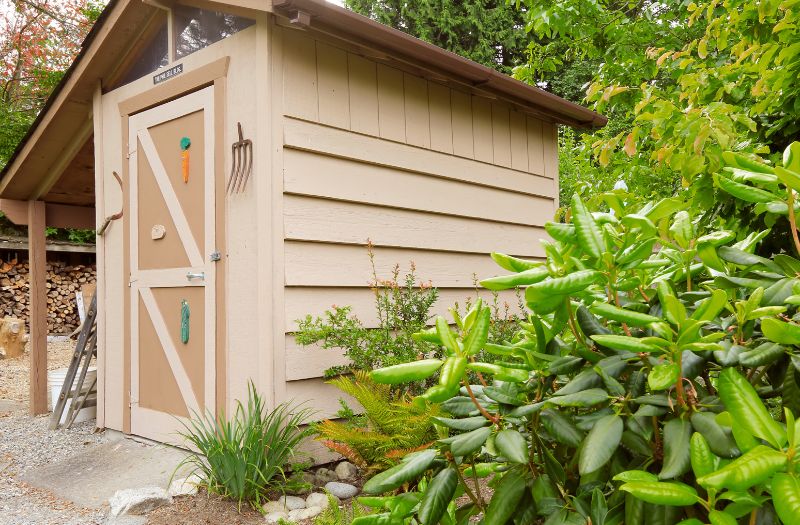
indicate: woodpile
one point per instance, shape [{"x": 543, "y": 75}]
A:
[{"x": 63, "y": 283}]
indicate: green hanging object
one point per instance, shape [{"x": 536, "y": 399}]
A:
[{"x": 184, "y": 321}]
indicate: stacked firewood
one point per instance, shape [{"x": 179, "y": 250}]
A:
[{"x": 63, "y": 282}]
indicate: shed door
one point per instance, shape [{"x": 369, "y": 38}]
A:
[{"x": 173, "y": 253}]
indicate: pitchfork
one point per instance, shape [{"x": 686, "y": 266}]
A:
[{"x": 241, "y": 163}]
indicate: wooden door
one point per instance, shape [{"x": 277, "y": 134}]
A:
[{"x": 172, "y": 261}]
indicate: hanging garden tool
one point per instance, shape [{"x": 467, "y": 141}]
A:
[
  {"x": 184, "y": 321},
  {"x": 186, "y": 143},
  {"x": 241, "y": 163}
]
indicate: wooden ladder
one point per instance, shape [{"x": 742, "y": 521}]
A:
[{"x": 81, "y": 397}]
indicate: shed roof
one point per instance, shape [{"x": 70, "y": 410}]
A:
[{"x": 56, "y": 123}]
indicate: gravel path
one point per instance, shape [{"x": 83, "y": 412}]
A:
[{"x": 26, "y": 443}]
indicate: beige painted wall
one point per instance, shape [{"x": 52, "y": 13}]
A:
[
  {"x": 241, "y": 295},
  {"x": 430, "y": 173}
]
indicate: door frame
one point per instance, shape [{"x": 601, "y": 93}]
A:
[
  {"x": 213, "y": 73},
  {"x": 144, "y": 421}
]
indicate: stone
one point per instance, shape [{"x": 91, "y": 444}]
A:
[
  {"x": 276, "y": 517},
  {"x": 138, "y": 501},
  {"x": 184, "y": 486},
  {"x": 346, "y": 470},
  {"x": 341, "y": 490},
  {"x": 271, "y": 507},
  {"x": 325, "y": 475},
  {"x": 318, "y": 499},
  {"x": 292, "y": 502},
  {"x": 305, "y": 514}
]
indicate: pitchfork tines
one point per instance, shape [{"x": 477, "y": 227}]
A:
[{"x": 241, "y": 163}]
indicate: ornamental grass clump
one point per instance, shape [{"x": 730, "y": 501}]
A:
[{"x": 244, "y": 457}]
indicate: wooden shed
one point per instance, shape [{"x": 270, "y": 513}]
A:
[{"x": 348, "y": 130}]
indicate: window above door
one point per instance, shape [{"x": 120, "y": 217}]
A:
[{"x": 175, "y": 32}]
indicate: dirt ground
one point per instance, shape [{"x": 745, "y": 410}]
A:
[{"x": 203, "y": 509}]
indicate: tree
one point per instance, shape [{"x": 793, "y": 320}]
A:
[
  {"x": 490, "y": 32},
  {"x": 38, "y": 41}
]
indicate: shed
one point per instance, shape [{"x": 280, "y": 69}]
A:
[{"x": 357, "y": 131}]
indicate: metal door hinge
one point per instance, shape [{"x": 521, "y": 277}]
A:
[{"x": 214, "y": 257}]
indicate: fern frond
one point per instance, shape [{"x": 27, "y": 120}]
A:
[{"x": 347, "y": 452}]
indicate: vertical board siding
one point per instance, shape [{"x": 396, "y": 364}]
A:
[
  {"x": 300, "y": 75},
  {"x": 461, "y": 106},
  {"x": 519, "y": 141},
  {"x": 363, "y": 95},
  {"x": 501, "y": 135},
  {"x": 418, "y": 126},
  {"x": 334, "y": 95},
  {"x": 535, "y": 146},
  {"x": 391, "y": 104},
  {"x": 441, "y": 118},
  {"x": 482, "y": 137},
  {"x": 329, "y": 85}
]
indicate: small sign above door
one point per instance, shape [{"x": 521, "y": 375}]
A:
[{"x": 168, "y": 74}]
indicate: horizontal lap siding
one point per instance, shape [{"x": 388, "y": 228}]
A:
[{"x": 429, "y": 174}]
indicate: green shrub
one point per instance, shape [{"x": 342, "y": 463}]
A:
[
  {"x": 403, "y": 308},
  {"x": 244, "y": 457},
  {"x": 645, "y": 384}
]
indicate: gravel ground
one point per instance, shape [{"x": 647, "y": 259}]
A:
[
  {"x": 26, "y": 443},
  {"x": 15, "y": 374}
]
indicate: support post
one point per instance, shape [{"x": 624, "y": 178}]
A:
[{"x": 38, "y": 307}]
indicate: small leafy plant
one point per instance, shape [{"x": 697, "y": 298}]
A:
[
  {"x": 403, "y": 307},
  {"x": 389, "y": 427},
  {"x": 248, "y": 455}
]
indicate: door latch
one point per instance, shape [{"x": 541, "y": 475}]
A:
[{"x": 199, "y": 275}]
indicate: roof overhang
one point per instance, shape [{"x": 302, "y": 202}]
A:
[
  {"x": 61, "y": 130},
  {"x": 332, "y": 19}
]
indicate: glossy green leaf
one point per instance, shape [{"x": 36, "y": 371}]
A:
[
  {"x": 702, "y": 459},
  {"x": 718, "y": 517},
  {"x": 561, "y": 428},
  {"x": 719, "y": 438},
  {"x": 590, "y": 238},
  {"x": 622, "y": 315},
  {"x": 781, "y": 332},
  {"x": 586, "y": 398},
  {"x": 523, "y": 278},
  {"x": 677, "y": 434},
  {"x": 743, "y": 191},
  {"x": 662, "y": 493},
  {"x": 600, "y": 444},
  {"x": 437, "y": 496},
  {"x": 478, "y": 332},
  {"x": 753, "y": 467},
  {"x": 514, "y": 264},
  {"x": 412, "y": 466},
  {"x": 506, "y": 497},
  {"x": 469, "y": 442},
  {"x": 624, "y": 343},
  {"x": 663, "y": 376},
  {"x": 463, "y": 424},
  {"x": 786, "y": 497},
  {"x": 446, "y": 336},
  {"x": 746, "y": 408},
  {"x": 512, "y": 446}
]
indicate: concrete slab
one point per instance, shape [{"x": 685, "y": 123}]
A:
[{"x": 91, "y": 477}]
